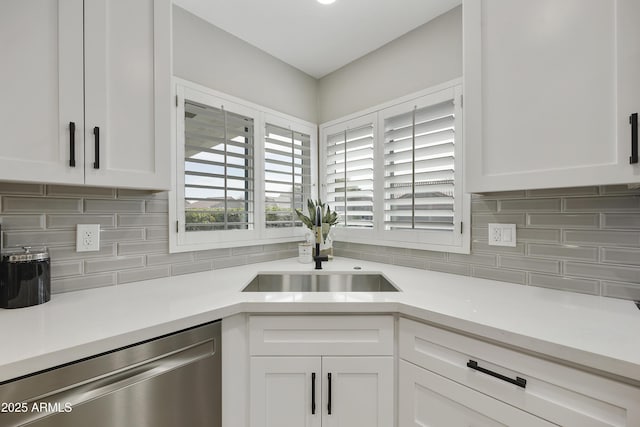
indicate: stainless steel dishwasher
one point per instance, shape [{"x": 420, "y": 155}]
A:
[{"x": 170, "y": 381}]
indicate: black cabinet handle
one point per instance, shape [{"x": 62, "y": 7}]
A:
[
  {"x": 96, "y": 139},
  {"x": 520, "y": 382},
  {"x": 329, "y": 399},
  {"x": 72, "y": 144},
  {"x": 313, "y": 393},
  {"x": 633, "y": 120}
]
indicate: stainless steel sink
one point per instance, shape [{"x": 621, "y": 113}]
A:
[{"x": 326, "y": 282}]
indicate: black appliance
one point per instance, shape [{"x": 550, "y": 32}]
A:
[{"x": 25, "y": 278}]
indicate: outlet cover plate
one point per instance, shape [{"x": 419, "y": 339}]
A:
[
  {"x": 502, "y": 235},
  {"x": 88, "y": 238}
]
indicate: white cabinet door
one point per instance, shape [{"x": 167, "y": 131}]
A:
[
  {"x": 41, "y": 73},
  {"x": 549, "y": 88},
  {"x": 282, "y": 392},
  {"x": 358, "y": 393},
  {"x": 127, "y": 72},
  {"x": 427, "y": 399}
]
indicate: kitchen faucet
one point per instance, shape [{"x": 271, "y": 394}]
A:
[{"x": 317, "y": 257}]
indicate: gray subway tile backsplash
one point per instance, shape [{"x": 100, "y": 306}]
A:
[
  {"x": 177, "y": 269},
  {"x": 583, "y": 286},
  {"x": 602, "y": 204},
  {"x": 68, "y": 284},
  {"x": 585, "y": 253},
  {"x": 502, "y": 275},
  {"x": 146, "y": 247},
  {"x": 67, "y": 190},
  {"x": 147, "y": 273},
  {"x": 23, "y": 189},
  {"x": 100, "y": 206},
  {"x": 529, "y": 264},
  {"x": 621, "y": 290},
  {"x": 528, "y": 205},
  {"x": 40, "y": 205},
  {"x": 71, "y": 221},
  {"x": 621, "y": 220},
  {"x": 602, "y": 271},
  {"x": 66, "y": 268},
  {"x": 563, "y": 192},
  {"x": 137, "y": 220},
  {"x": 629, "y": 256},
  {"x": 536, "y": 235},
  {"x": 577, "y": 220},
  {"x": 22, "y": 222},
  {"x": 38, "y": 238},
  {"x": 112, "y": 264},
  {"x": 602, "y": 237},
  {"x": 581, "y": 239}
]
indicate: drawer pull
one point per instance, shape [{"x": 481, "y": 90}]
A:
[
  {"x": 72, "y": 144},
  {"x": 520, "y": 382},
  {"x": 329, "y": 399},
  {"x": 96, "y": 140},
  {"x": 313, "y": 393},
  {"x": 633, "y": 121}
]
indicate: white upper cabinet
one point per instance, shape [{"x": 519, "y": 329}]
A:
[
  {"x": 127, "y": 88},
  {"x": 41, "y": 51},
  {"x": 549, "y": 89},
  {"x": 103, "y": 66}
]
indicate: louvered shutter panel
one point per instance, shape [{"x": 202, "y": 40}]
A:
[
  {"x": 287, "y": 175},
  {"x": 349, "y": 176},
  {"x": 218, "y": 169},
  {"x": 419, "y": 169}
]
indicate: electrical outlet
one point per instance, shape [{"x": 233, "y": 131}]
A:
[
  {"x": 88, "y": 238},
  {"x": 502, "y": 235}
]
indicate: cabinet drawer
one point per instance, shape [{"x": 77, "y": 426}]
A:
[
  {"x": 427, "y": 399},
  {"x": 321, "y": 335},
  {"x": 558, "y": 393}
]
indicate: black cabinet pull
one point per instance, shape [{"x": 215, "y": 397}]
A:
[
  {"x": 520, "y": 382},
  {"x": 96, "y": 139},
  {"x": 329, "y": 399},
  {"x": 72, "y": 144},
  {"x": 313, "y": 393},
  {"x": 633, "y": 120}
]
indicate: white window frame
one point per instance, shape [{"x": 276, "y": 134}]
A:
[
  {"x": 458, "y": 241},
  {"x": 182, "y": 241}
]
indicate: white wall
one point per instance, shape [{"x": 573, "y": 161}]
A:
[
  {"x": 429, "y": 55},
  {"x": 214, "y": 58}
]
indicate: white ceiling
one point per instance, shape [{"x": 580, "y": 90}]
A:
[{"x": 315, "y": 38}]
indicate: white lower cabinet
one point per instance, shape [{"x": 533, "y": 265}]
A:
[
  {"x": 329, "y": 371},
  {"x": 321, "y": 391},
  {"x": 449, "y": 379},
  {"x": 428, "y": 399},
  {"x": 286, "y": 392}
]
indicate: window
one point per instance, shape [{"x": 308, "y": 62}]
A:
[
  {"x": 218, "y": 169},
  {"x": 419, "y": 168},
  {"x": 287, "y": 175},
  {"x": 395, "y": 173},
  {"x": 240, "y": 171}
]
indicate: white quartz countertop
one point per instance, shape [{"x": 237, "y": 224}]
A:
[{"x": 596, "y": 332}]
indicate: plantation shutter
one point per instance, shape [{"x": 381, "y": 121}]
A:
[
  {"x": 287, "y": 175},
  {"x": 419, "y": 168},
  {"x": 349, "y": 175},
  {"x": 218, "y": 169}
]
